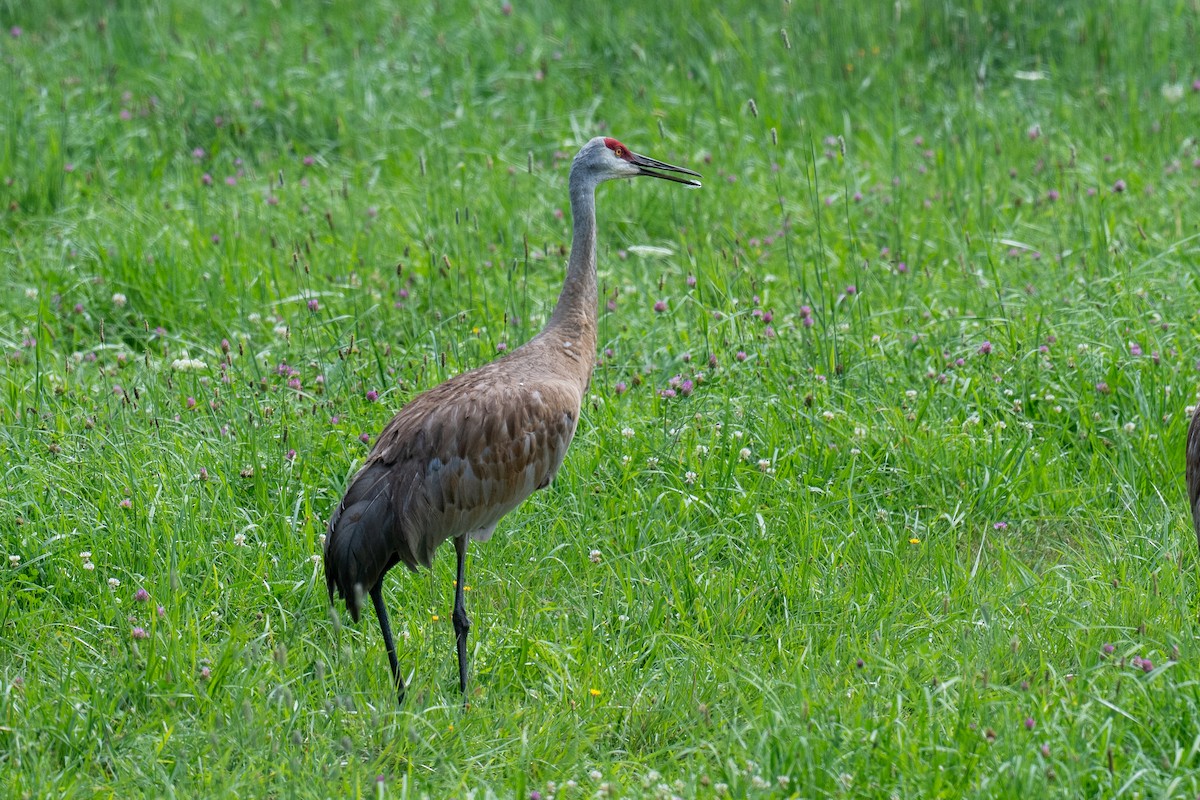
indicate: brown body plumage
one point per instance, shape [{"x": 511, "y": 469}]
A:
[
  {"x": 455, "y": 460},
  {"x": 1192, "y": 470},
  {"x": 460, "y": 456}
]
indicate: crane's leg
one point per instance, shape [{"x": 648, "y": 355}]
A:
[
  {"x": 388, "y": 641},
  {"x": 462, "y": 623}
]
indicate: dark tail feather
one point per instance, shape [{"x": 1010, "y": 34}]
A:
[{"x": 358, "y": 550}]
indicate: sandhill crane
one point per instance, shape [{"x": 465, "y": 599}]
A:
[
  {"x": 1192, "y": 472},
  {"x": 463, "y": 454}
]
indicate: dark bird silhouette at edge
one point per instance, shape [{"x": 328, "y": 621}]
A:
[{"x": 1192, "y": 470}]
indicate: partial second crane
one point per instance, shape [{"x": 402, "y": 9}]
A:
[{"x": 1192, "y": 469}]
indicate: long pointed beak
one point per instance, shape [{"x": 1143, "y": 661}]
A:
[{"x": 657, "y": 169}]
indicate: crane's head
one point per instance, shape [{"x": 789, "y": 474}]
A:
[{"x": 605, "y": 159}]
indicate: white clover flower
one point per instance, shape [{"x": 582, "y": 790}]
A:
[
  {"x": 239, "y": 539},
  {"x": 595, "y": 558},
  {"x": 744, "y": 454},
  {"x": 119, "y": 299},
  {"x": 627, "y": 433},
  {"x": 188, "y": 365},
  {"x": 113, "y": 583},
  {"x": 689, "y": 477}
]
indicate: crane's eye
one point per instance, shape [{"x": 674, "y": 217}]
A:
[{"x": 619, "y": 152}]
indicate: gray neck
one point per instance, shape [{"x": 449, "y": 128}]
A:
[{"x": 575, "y": 314}]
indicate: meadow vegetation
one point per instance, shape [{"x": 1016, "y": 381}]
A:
[{"x": 878, "y": 489}]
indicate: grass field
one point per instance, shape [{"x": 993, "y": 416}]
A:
[{"x": 917, "y": 529}]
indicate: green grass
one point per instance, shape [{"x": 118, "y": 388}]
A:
[{"x": 802, "y": 570}]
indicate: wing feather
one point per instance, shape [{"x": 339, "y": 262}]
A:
[{"x": 453, "y": 462}]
